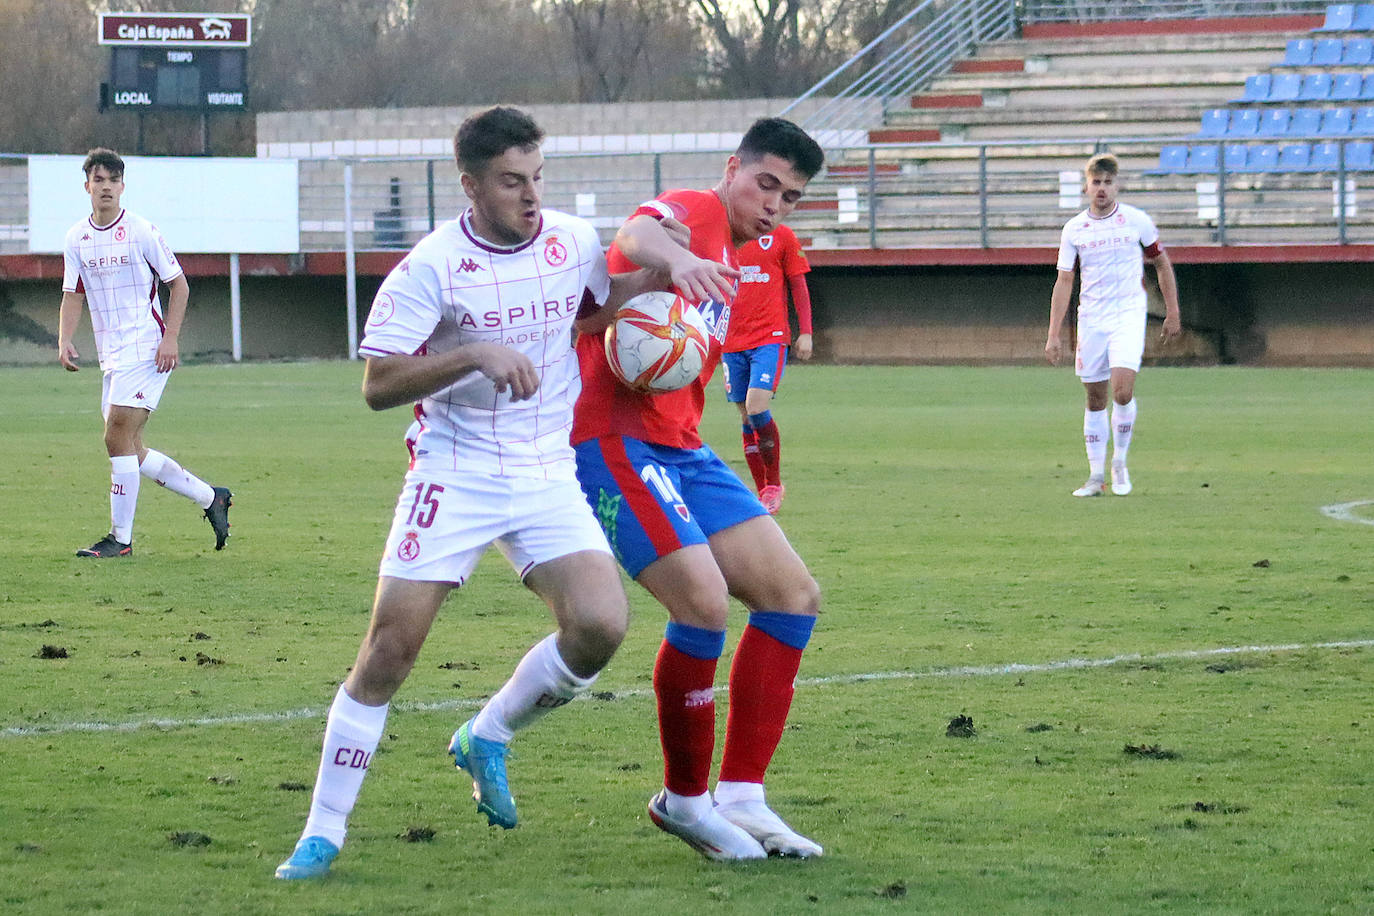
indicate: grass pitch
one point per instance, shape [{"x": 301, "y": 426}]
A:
[{"x": 163, "y": 764}]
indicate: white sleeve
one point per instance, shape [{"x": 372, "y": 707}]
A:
[
  {"x": 1146, "y": 226},
  {"x": 404, "y": 313},
  {"x": 159, "y": 254},
  {"x": 1068, "y": 254},
  {"x": 71, "y": 265}
]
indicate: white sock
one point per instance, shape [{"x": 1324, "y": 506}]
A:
[
  {"x": 350, "y": 738},
  {"x": 1095, "y": 433},
  {"x": 730, "y": 793},
  {"x": 541, "y": 682},
  {"x": 165, "y": 472},
  {"x": 687, "y": 807},
  {"x": 1123, "y": 424},
  {"x": 123, "y": 496}
]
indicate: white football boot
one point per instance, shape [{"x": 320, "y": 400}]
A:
[
  {"x": 1121, "y": 479},
  {"x": 1094, "y": 487},
  {"x": 712, "y": 835},
  {"x": 758, "y": 820}
]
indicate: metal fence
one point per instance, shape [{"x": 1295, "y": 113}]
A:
[{"x": 1032, "y": 11}]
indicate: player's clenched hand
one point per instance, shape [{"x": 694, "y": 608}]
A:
[
  {"x": 1173, "y": 326},
  {"x": 508, "y": 368},
  {"x": 699, "y": 279},
  {"x": 804, "y": 346},
  {"x": 166, "y": 357},
  {"x": 67, "y": 356},
  {"x": 1053, "y": 350}
]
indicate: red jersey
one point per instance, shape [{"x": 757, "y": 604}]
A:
[
  {"x": 758, "y": 316},
  {"x": 606, "y": 407}
]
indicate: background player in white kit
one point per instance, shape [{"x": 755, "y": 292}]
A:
[
  {"x": 115, "y": 259},
  {"x": 1110, "y": 241},
  {"x": 477, "y": 321}
]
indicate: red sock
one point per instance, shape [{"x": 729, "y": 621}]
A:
[
  {"x": 753, "y": 458},
  {"x": 760, "y": 697},
  {"x": 686, "y": 718},
  {"x": 770, "y": 451}
]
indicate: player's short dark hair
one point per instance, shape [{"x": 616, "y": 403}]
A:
[
  {"x": 487, "y": 134},
  {"x": 780, "y": 137},
  {"x": 1102, "y": 164},
  {"x": 107, "y": 159}
]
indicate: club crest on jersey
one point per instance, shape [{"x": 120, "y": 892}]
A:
[
  {"x": 765, "y": 242},
  {"x": 382, "y": 310},
  {"x": 120, "y": 234},
  {"x": 554, "y": 252},
  {"x": 409, "y": 551}
]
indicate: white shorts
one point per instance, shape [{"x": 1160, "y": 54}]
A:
[
  {"x": 139, "y": 385},
  {"x": 445, "y": 521},
  {"x": 1103, "y": 348}
]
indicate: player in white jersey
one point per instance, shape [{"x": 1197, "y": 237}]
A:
[
  {"x": 476, "y": 323},
  {"x": 114, "y": 260},
  {"x": 1110, "y": 242}
]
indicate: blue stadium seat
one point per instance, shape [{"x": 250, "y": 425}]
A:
[
  {"x": 1316, "y": 87},
  {"x": 1363, "y": 20},
  {"x": 1358, "y": 52},
  {"x": 1359, "y": 156},
  {"x": 1346, "y": 87},
  {"x": 1293, "y": 157},
  {"x": 1256, "y": 88},
  {"x": 1298, "y": 52},
  {"x": 1234, "y": 156},
  {"x": 1323, "y": 157},
  {"x": 1172, "y": 160},
  {"x": 1339, "y": 18},
  {"x": 1305, "y": 122},
  {"x": 1214, "y": 122},
  {"x": 1244, "y": 122},
  {"x": 1284, "y": 87},
  {"x": 1262, "y": 158},
  {"x": 1363, "y": 125},
  {"x": 1327, "y": 52},
  {"x": 1336, "y": 122},
  {"x": 1202, "y": 159},
  {"x": 1274, "y": 122},
  {"x": 1367, "y": 89}
]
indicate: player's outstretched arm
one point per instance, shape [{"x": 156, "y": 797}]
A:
[
  {"x": 1059, "y": 307},
  {"x": 389, "y": 381},
  {"x": 68, "y": 318},
  {"x": 647, "y": 243},
  {"x": 1168, "y": 289}
]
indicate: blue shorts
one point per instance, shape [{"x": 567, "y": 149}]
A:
[
  {"x": 760, "y": 367},
  {"x": 652, "y": 500}
]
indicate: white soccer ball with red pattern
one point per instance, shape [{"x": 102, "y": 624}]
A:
[{"x": 658, "y": 342}]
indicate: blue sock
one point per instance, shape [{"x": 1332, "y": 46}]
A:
[
  {"x": 789, "y": 629},
  {"x": 760, "y": 420},
  {"x": 697, "y": 642}
]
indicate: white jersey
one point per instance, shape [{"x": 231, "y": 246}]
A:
[
  {"x": 455, "y": 288},
  {"x": 117, "y": 268},
  {"x": 1112, "y": 268}
]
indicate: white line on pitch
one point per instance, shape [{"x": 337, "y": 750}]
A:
[
  {"x": 1068, "y": 664},
  {"x": 1345, "y": 512}
]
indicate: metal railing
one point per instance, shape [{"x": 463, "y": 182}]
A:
[
  {"x": 917, "y": 48},
  {"x": 1029, "y": 11}
]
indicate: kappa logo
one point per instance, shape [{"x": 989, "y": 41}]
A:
[
  {"x": 139, "y": 396},
  {"x": 409, "y": 551},
  {"x": 554, "y": 252},
  {"x": 404, "y": 267},
  {"x": 468, "y": 266},
  {"x": 86, "y": 237}
]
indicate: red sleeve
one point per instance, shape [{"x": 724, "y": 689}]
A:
[{"x": 801, "y": 301}]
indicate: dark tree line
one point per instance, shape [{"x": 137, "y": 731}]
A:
[{"x": 317, "y": 54}]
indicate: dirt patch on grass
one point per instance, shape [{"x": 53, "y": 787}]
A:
[
  {"x": 52, "y": 652},
  {"x": 960, "y": 727},
  {"x": 188, "y": 838},
  {"x": 417, "y": 834},
  {"x": 1152, "y": 751}
]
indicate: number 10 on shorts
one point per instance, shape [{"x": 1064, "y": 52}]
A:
[{"x": 656, "y": 476}]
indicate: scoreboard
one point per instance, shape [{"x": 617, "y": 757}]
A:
[{"x": 193, "y": 61}]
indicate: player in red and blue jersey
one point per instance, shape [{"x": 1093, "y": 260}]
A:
[
  {"x": 772, "y": 268},
  {"x": 687, "y": 529}
]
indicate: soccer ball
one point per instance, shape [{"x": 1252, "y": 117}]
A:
[{"x": 658, "y": 342}]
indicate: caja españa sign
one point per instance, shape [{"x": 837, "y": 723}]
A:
[{"x": 195, "y": 30}]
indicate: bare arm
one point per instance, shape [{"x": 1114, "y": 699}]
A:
[
  {"x": 626, "y": 286},
  {"x": 68, "y": 319},
  {"x": 389, "y": 381},
  {"x": 1168, "y": 288},
  {"x": 1059, "y": 307},
  {"x": 647, "y": 243},
  {"x": 178, "y": 294}
]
